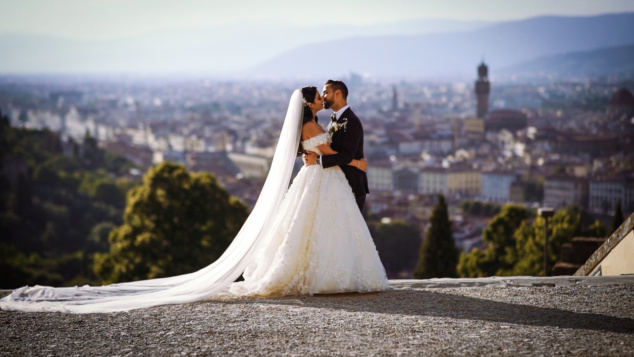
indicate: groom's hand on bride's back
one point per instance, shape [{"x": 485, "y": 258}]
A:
[
  {"x": 309, "y": 158},
  {"x": 363, "y": 165}
]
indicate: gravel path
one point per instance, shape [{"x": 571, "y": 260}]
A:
[{"x": 430, "y": 317}]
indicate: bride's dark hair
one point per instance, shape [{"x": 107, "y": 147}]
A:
[{"x": 309, "y": 94}]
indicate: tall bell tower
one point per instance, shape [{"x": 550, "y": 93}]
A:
[{"x": 482, "y": 89}]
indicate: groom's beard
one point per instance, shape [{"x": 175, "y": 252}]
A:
[{"x": 328, "y": 104}]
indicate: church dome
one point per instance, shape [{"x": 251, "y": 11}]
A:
[{"x": 621, "y": 98}]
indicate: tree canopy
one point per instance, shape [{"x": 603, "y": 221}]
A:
[
  {"x": 50, "y": 201},
  {"x": 176, "y": 222},
  {"x": 515, "y": 246}
]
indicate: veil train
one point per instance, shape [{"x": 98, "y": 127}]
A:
[{"x": 208, "y": 282}]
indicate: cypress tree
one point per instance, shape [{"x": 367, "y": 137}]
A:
[
  {"x": 617, "y": 220},
  {"x": 438, "y": 253}
]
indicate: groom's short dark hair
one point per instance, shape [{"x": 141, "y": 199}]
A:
[{"x": 338, "y": 85}]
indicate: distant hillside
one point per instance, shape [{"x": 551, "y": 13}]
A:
[
  {"x": 456, "y": 54},
  {"x": 421, "y": 48},
  {"x": 610, "y": 60},
  {"x": 214, "y": 50}
]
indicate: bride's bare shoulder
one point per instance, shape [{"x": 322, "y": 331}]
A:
[{"x": 311, "y": 129}]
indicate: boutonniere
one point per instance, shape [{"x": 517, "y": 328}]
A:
[{"x": 336, "y": 126}]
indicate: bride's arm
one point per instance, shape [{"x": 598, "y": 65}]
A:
[{"x": 312, "y": 129}]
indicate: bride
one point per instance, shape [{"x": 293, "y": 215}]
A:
[{"x": 309, "y": 238}]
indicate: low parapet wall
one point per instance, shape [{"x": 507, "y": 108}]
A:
[{"x": 616, "y": 253}]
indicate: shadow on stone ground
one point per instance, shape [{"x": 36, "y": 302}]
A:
[
  {"x": 439, "y": 304},
  {"x": 412, "y": 319}
]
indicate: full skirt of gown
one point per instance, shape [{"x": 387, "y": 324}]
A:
[{"x": 320, "y": 243}]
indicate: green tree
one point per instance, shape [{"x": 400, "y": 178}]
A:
[
  {"x": 596, "y": 229},
  {"x": 617, "y": 219},
  {"x": 117, "y": 164},
  {"x": 47, "y": 215},
  {"x": 466, "y": 206},
  {"x": 23, "y": 117},
  {"x": 98, "y": 238},
  {"x": 22, "y": 200},
  {"x": 93, "y": 156},
  {"x": 176, "y": 223},
  {"x": 110, "y": 193},
  {"x": 500, "y": 253},
  {"x": 438, "y": 253},
  {"x": 515, "y": 247},
  {"x": 477, "y": 208},
  {"x": 13, "y": 264},
  {"x": 397, "y": 243},
  {"x": 562, "y": 227},
  {"x": 7, "y": 137}
]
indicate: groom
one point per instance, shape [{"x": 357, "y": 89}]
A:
[{"x": 347, "y": 139}]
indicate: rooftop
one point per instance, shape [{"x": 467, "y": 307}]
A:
[{"x": 622, "y": 98}]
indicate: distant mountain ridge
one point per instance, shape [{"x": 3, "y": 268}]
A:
[
  {"x": 228, "y": 48},
  {"x": 457, "y": 54},
  {"x": 423, "y": 49},
  {"x": 603, "y": 61}
]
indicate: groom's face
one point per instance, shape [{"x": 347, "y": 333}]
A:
[{"x": 328, "y": 96}]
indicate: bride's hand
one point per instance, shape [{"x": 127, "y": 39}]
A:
[{"x": 309, "y": 158}]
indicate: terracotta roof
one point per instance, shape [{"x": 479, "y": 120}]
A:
[{"x": 622, "y": 98}]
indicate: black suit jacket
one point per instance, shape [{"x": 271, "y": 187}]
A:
[{"x": 348, "y": 143}]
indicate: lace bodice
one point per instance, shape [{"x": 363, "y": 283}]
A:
[{"x": 312, "y": 143}]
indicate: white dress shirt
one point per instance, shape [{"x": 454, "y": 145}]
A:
[
  {"x": 338, "y": 114},
  {"x": 340, "y": 111}
]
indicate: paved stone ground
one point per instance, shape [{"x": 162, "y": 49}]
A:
[{"x": 499, "y": 316}]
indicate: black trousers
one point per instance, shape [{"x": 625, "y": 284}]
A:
[{"x": 360, "y": 198}]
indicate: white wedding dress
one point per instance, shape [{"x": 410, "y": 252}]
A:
[
  {"x": 306, "y": 239},
  {"x": 320, "y": 244}
]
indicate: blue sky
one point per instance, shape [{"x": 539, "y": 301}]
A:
[{"x": 109, "y": 19}]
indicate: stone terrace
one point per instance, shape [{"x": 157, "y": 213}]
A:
[{"x": 488, "y": 316}]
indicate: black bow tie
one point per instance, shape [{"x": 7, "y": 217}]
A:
[{"x": 333, "y": 117}]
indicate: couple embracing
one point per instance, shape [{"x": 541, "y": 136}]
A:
[{"x": 309, "y": 238}]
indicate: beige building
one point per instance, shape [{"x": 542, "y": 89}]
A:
[
  {"x": 464, "y": 181},
  {"x": 474, "y": 128}
]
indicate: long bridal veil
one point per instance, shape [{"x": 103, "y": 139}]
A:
[{"x": 208, "y": 282}]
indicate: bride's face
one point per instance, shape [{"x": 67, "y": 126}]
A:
[{"x": 318, "y": 103}]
